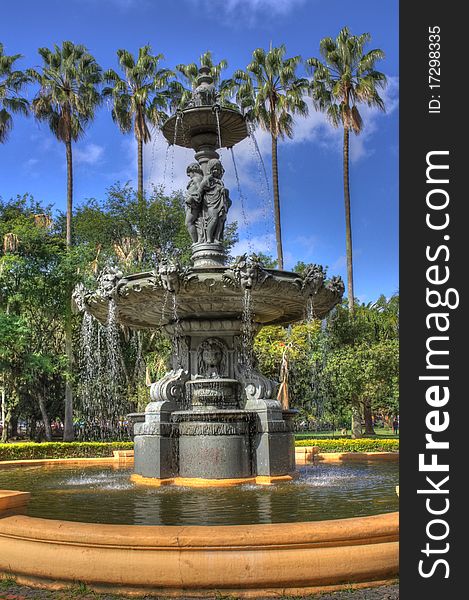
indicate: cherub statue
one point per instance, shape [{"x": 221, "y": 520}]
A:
[
  {"x": 194, "y": 201},
  {"x": 215, "y": 201}
]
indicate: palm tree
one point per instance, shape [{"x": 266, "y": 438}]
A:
[
  {"x": 181, "y": 93},
  {"x": 11, "y": 83},
  {"x": 139, "y": 98},
  {"x": 270, "y": 93},
  {"x": 346, "y": 78},
  {"x": 67, "y": 99}
]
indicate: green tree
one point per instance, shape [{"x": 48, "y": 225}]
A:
[
  {"x": 134, "y": 231},
  {"x": 297, "y": 344},
  {"x": 139, "y": 99},
  {"x": 371, "y": 334},
  {"x": 67, "y": 99},
  {"x": 11, "y": 83},
  {"x": 34, "y": 277},
  {"x": 271, "y": 93},
  {"x": 363, "y": 374},
  {"x": 345, "y": 78}
]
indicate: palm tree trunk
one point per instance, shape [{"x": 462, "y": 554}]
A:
[
  {"x": 278, "y": 226},
  {"x": 348, "y": 223},
  {"x": 68, "y": 416},
  {"x": 68, "y": 147},
  {"x": 140, "y": 168}
]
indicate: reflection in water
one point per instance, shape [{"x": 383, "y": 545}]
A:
[{"x": 105, "y": 494}]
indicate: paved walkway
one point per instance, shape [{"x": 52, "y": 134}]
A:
[{"x": 10, "y": 591}]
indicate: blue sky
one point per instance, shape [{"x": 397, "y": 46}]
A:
[{"x": 310, "y": 165}]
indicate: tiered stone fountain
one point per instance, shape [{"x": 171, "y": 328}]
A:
[{"x": 213, "y": 418}]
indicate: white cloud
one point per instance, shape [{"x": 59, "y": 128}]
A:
[
  {"x": 249, "y": 245},
  {"x": 244, "y": 216},
  {"x": 89, "y": 154},
  {"x": 122, "y": 5},
  {"x": 248, "y": 10},
  {"x": 30, "y": 163},
  {"x": 339, "y": 264},
  {"x": 316, "y": 128}
]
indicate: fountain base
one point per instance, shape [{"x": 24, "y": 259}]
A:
[
  {"x": 201, "y": 482},
  {"x": 215, "y": 447}
]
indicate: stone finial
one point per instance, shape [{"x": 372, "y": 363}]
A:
[
  {"x": 312, "y": 279},
  {"x": 205, "y": 93},
  {"x": 336, "y": 285}
]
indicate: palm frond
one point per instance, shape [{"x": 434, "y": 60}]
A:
[
  {"x": 11, "y": 83},
  {"x": 345, "y": 78}
]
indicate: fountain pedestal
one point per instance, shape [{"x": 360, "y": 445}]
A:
[
  {"x": 205, "y": 254},
  {"x": 212, "y": 418}
]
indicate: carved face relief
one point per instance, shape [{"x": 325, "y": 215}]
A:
[
  {"x": 169, "y": 274},
  {"x": 211, "y": 358},
  {"x": 107, "y": 280}
]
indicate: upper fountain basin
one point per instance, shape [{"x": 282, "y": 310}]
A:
[
  {"x": 189, "y": 127},
  {"x": 147, "y": 300}
]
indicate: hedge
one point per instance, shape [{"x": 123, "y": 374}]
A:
[
  {"x": 349, "y": 445},
  {"x": 28, "y": 450}
]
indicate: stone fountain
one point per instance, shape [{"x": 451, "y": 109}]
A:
[{"x": 213, "y": 416}]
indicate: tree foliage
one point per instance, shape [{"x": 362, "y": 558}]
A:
[
  {"x": 345, "y": 78},
  {"x": 12, "y": 82},
  {"x": 338, "y": 365},
  {"x": 139, "y": 98},
  {"x": 35, "y": 272},
  {"x": 270, "y": 93}
]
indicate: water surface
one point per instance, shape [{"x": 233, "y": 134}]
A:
[{"x": 105, "y": 494}]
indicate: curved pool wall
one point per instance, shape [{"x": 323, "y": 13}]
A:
[{"x": 249, "y": 561}]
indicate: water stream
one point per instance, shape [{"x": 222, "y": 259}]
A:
[
  {"x": 264, "y": 188},
  {"x": 218, "y": 128},
  {"x": 102, "y": 394},
  {"x": 242, "y": 202},
  {"x": 247, "y": 337},
  {"x": 177, "y": 333},
  {"x": 176, "y": 125},
  {"x": 165, "y": 168}
]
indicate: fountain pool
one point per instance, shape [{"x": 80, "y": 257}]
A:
[{"x": 105, "y": 494}]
